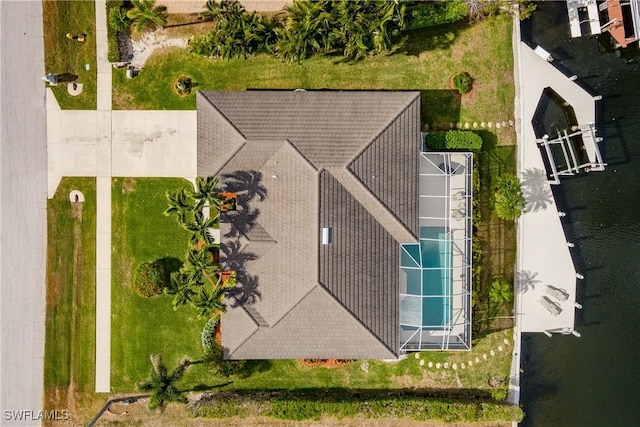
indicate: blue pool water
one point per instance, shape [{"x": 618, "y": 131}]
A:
[{"x": 430, "y": 278}]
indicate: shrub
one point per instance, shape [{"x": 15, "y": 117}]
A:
[
  {"x": 320, "y": 403},
  {"x": 462, "y": 82},
  {"x": 207, "y": 335},
  {"x": 509, "y": 202},
  {"x": 150, "y": 279},
  {"x": 429, "y": 14},
  {"x": 214, "y": 352},
  {"x": 454, "y": 139},
  {"x": 113, "y": 46},
  {"x": 118, "y": 19}
]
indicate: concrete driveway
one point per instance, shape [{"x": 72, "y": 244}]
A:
[{"x": 119, "y": 143}]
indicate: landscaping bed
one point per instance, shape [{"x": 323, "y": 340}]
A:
[{"x": 423, "y": 60}]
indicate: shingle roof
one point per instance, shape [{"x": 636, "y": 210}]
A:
[{"x": 345, "y": 160}]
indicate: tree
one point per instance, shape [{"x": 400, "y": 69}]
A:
[
  {"x": 118, "y": 19},
  {"x": 161, "y": 383},
  {"x": 199, "y": 265},
  {"x": 179, "y": 203},
  {"x": 207, "y": 193},
  {"x": 146, "y": 14},
  {"x": 199, "y": 227},
  {"x": 509, "y": 199},
  {"x": 501, "y": 292},
  {"x": 182, "y": 289},
  {"x": 307, "y": 30},
  {"x": 209, "y": 303}
]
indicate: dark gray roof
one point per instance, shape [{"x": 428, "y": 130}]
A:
[
  {"x": 360, "y": 266},
  {"x": 341, "y": 159}
]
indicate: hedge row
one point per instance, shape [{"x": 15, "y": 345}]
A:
[
  {"x": 454, "y": 139},
  {"x": 113, "y": 46},
  {"x": 343, "y": 404}
]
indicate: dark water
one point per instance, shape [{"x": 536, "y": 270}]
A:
[{"x": 594, "y": 380}]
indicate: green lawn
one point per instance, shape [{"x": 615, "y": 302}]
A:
[
  {"x": 425, "y": 60},
  {"x": 143, "y": 326},
  {"x": 70, "y": 312},
  {"x": 64, "y": 56}
]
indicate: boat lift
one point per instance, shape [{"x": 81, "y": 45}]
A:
[{"x": 573, "y": 166}]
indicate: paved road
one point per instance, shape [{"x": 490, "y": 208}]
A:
[{"x": 23, "y": 195}]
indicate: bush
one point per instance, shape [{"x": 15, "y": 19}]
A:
[
  {"x": 462, "y": 82},
  {"x": 510, "y": 201},
  {"x": 214, "y": 352},
  {"x": 113, "y": 47},
  {"x": 150, "y": 279},
  {"x": 454, "y": 139},
  {"x": 429, "y": 14},
  {"x": 320, "y": 403}
]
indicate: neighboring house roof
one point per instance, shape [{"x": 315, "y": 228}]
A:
[{"x": 347, "y": 160}]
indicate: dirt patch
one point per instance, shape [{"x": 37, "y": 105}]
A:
[
  {"x": 128, "y": 185},
  {"x": 76, "y": 210},
  {"x": 54, "y": 281},
  {"x": 148, "y": 43}
]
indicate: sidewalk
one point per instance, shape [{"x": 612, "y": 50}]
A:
[{"x": 106, "y": 143}]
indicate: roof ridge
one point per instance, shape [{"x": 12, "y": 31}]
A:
[
  {"x": 302, "y": 156},
  {"x": 356, "y": 318},
  {"x": 251, "y": 319},
  {"x": 294, "y": 306},
  {"x": 386, "y": 126},
  {"x": 222, "y": 115},
  {"x": 373, "y": 205}
]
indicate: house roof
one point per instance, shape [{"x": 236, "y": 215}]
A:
[{"x": 347, "y": 160}]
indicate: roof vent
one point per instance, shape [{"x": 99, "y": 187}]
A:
[{"x": 326, "y": 235}]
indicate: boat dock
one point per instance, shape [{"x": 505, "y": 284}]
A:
[{"x": 546, "y": 277}]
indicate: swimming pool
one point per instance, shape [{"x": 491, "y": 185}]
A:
[{"x": 426, "y": 280}]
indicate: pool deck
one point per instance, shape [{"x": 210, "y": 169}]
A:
[{"x": 544, "y": 257}]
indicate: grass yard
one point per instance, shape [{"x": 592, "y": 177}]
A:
[
  {"x": 142, "y": 326},
  {"x": 69, "y": 363},
  {"x": 64, "y": 56},
  {"x": 423, "y": 60}
]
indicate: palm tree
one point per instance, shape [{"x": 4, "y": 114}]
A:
[
  {"x": 209, "y": 303},
  {"x": 162, "y": 383},
  {"x": 501, "y": 292},
  {"x": 509, "y": 199},
  {"x": 199, "y": 264},
  {"x": 146, "y": 14},
  {"x": 179, "y": 203},
  {"x": 306, "y": 30},
  {"x": 199, "y": 227},
  {"x": 118, "y": 19},
  {"x": 211, "y": 10},
  {"x": 182, "y": 289},
  {"x": 207, "y": 193}
]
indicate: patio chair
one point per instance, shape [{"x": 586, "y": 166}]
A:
[
  {"x": 557, "y": 293},
  {"x": 551, "y": 306}
]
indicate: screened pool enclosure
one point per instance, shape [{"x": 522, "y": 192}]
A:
[{"x": 435, "y": 272}]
